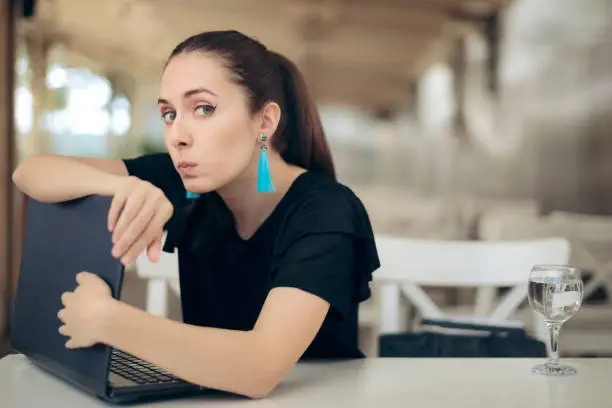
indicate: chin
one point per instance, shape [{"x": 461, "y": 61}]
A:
[{"x": 200, "y": 185}]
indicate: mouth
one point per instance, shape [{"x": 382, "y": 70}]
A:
[{"x": 187, "y": 169}]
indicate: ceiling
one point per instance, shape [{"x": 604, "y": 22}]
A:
[{"x": 358, "y": 52}]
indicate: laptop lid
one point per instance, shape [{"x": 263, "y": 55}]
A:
[{"x": 61, "y": 240}]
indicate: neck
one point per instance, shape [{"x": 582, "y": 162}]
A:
[{"x": 249, "y": 207}]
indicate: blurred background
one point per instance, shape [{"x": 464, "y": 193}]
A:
[{"x": 451, "y": 119}]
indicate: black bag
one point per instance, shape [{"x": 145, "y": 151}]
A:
[{"x": 447, "y": 338}]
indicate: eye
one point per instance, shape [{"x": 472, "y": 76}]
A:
[
  {"x": 205, "y": 110},
  {"x": 168, "y": 116}
]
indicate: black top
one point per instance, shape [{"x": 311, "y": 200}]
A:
[{"x": 318, "y": 239}]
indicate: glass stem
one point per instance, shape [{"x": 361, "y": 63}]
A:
[{"x": 554, "y": 329}]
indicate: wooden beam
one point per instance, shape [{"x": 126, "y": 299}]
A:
[
  {"x": 427, "y": 5},
  {"x": 354, "y": 76},
  {"x": 8, "y": 243},
  {"x": 413, "y": 23},
  {"x": 361, "y": 94},
  {"x": 370, "y": 17},
  {"x": 369, "y": 48},
  {"x": 102, "y": 57},
  {"x": 87, "y": 50},
  {"x": 359, "y": 100},
  {"x": 388, "y": 39},
  {"x": 189, "y": 18}
]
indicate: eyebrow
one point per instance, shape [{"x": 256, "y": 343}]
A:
[{"x": 189, "y": 94}]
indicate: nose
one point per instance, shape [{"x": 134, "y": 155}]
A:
[{"x": 180, "y": 134}]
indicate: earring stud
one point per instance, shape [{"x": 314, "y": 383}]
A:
[{"x": 264, "y": 179}]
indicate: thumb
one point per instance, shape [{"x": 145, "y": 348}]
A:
[
  {"x": 154, "y": 249},
  {"x": 84, "y": 276}
]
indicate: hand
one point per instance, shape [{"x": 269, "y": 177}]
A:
[
  {"x": 84, "y": 311},
  {"x": 137, "y": 216}
]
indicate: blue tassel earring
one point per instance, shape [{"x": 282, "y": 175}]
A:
[{"x": 264, "y": 179}]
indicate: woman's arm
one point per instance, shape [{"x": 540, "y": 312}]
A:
[
  {"x": 315, "y": 273},
  {"x": 138, "y": 212},
  {"x": 250, "y": 363},
  {"x": 51, "y": 178}
]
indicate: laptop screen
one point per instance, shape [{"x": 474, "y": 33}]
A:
[{"x": 61, "y": 240}]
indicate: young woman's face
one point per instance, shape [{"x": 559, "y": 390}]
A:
[{"x": 209, "y": 130}]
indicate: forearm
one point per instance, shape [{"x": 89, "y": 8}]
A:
[
  {"x": 233, "y": 361},
  {"x": 57, "y": 178}
]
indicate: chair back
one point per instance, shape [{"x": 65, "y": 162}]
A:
[{"x": 416, "y": 263}]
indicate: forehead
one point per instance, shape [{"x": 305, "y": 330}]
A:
[{"x": 195, "y": 70}]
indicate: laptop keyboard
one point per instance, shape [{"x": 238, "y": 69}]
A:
[{"x": 139, "y": 371}]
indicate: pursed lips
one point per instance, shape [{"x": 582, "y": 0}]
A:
[{"x": 187, "y": 168}]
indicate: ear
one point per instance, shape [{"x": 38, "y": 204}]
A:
[{"x": 269, "y": 117}]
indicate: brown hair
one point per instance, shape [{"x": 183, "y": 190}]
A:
[{"x": 268, "y": 76}]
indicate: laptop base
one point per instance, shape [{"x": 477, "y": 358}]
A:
[{"x": 153, "y": 392}]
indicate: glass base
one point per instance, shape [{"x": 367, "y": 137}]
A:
[{"x": 554, "y": 370}]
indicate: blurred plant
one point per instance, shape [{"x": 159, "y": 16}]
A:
[
  {"x": 149, "y": 146},
  {"x": 58, "y": 98}
]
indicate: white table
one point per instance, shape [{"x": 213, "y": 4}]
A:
[{"x": 365, "y": 383}]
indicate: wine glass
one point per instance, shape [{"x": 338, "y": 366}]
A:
[{"x": 555, "y": 292}]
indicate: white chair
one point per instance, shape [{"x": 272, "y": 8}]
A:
[
  {"x": 408, "y": 264},
  {"x": 161, "y": 276},
  {"x": 591, "y": 239}
]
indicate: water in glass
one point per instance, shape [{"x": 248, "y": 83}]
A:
[{"x": 555, "y": 292}]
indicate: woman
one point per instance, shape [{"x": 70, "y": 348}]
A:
[{"x": 274, "y": 254}]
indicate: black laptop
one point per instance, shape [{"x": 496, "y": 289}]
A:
[{"x": 61, "y": 240}]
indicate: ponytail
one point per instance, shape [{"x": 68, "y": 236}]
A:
[{"x": 300, "y": 137}]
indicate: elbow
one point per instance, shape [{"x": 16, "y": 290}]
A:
[
  {"x": 266, "y": 375},
  {"x": 262, "y": 394},
  {"x": 21, "y": 180},
  {"x": 252, "y": 388},
  {"x": 18, "y": 177},
  {"x": 25, "y": 177},
  {"x": 258, "y": 381},
  {"x": 260, "y": 389},
  {"x": 20, "y": 174}
]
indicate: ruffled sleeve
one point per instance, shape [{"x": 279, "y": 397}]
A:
[{"x": 326, "y": 247}]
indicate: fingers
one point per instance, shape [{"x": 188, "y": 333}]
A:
[
  {"x": 137, "y": 218},
  {"x": 151, "y": 235},
  {"x": 83, "y": 277},
  {"x": 66, "y": 296},
  {"x": 135, "y": 229},
  {"x": 131, "y": 208},
  {"x": 63, "y": 330},
  {"x": 71, "y": 344},
  {"x": 154, "y": 250},
  {"x": 113, "y": 214},
  {"x": 137, "y": 215}
]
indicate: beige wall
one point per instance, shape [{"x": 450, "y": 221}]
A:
[
  {"x": 547, "y": 134},
  {"x": 555, "y": 72}
]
